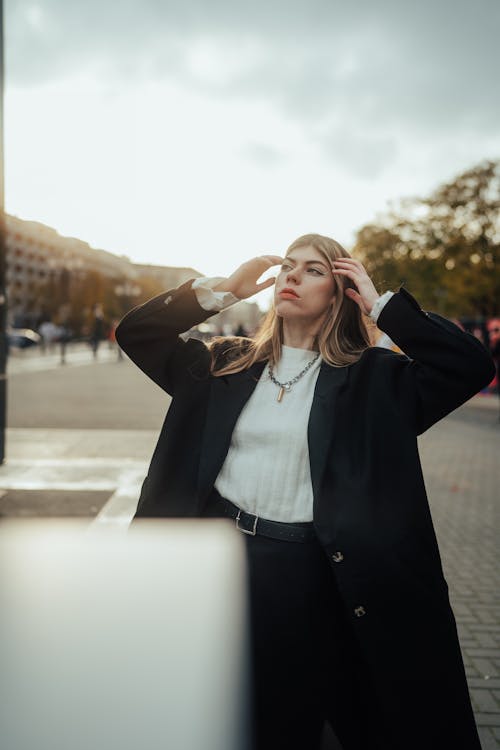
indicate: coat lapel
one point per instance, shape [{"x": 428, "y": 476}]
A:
[
  {"x": 322, "y": 422},
  {"x": 228, "y": 396}
]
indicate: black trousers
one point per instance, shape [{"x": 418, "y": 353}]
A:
[{"x": 306, "y": 666}]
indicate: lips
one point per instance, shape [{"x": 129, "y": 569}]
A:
[{"x": 288, "y": 294}]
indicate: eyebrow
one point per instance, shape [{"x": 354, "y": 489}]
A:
[{"x": 308, "y": 262}]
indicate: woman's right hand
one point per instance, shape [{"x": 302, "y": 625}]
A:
[{"x": 243, "y": 282}]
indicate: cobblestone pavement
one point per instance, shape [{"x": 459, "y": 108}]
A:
[{"x": 460, "y": 459}]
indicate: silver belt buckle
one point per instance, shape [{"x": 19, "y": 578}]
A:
[{"x": 253, "y": 532}]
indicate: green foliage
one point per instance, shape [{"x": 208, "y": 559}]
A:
[{"x": 444, "y": 248}]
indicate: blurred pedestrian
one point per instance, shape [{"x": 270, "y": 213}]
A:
[
  {"x": 48, "y": 332},
  {"x": 64, "y": 333},
  {"x": 290, "y": 434},
  {"x": 64, "y": 338},
  {"x": 97, "y": 329}
]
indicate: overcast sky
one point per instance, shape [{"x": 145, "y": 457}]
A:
[{"x": 203, "y": 133}]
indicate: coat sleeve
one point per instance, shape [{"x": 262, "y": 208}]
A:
[
  {"x": 150, "y": 335},
  {"x": 442, "y": 367}
]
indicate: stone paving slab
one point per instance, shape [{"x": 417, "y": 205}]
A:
[{"x": 51, "y": 503}]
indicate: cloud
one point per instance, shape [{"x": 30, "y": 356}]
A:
[
  {"x": 380, "y": 71},
  {"x": 263, "y": 154},
  {"x": 365, "y": 155}
]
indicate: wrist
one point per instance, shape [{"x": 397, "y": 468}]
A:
[
  {"x": 212, "y": 294},
  {"x": 371, "y": 303},
  {"x": 379, "y": 305},
  {"x": 222, "y": 287},
  {"x": 225, "y": 286}
]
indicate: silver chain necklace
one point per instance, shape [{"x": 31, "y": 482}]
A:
[{"x": 286, "y": 386}]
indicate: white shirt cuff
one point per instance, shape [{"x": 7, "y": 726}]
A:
[
  {"x": 379, "y": 305},
  {"x": 208, "y": 298}
]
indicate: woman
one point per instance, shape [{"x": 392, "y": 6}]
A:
[{"x": 306, "y": 436}]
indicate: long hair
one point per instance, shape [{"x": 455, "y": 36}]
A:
[{"x": 341, "y": 339}]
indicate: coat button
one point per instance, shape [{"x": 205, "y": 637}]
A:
[
  {"x": 360, "y": 611},
  {"x": 337, "y": 557}
]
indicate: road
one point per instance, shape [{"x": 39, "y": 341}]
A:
[{"x": 80, "y": 437}]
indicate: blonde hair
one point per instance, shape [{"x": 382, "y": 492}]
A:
[{"x": 341, "y": 339}]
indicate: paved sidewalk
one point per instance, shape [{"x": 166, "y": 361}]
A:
[
  {"x": 78, "y": 353},
  {"x": 98, "y": 473}
]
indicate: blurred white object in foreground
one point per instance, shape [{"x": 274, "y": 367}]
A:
[{"x": 123, "y": 641}]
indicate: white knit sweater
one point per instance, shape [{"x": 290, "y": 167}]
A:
[{"x": 266, "y": 471}]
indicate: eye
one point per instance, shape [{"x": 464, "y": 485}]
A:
[
  {"x": 285, "y": 265},
  {"x": 316, "y": 270}
]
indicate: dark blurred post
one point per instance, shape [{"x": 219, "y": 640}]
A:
[{"x": 3, "y": 300}]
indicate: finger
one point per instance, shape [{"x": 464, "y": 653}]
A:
[
  {"x": 348, "y": 260},
  {"x": 273, "y": 260},
  {"x": 345, "y": 272},
  {"x": 265, "y": 284},
  {"x": 357, "y": 298},
  {"x": 349, "y": 263},
  {"x": 351, "y": 272}
]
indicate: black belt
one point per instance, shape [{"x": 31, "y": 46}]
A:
[{"x": 253, "y": 525}]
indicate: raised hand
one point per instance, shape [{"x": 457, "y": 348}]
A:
[
  {"x": 243, "y": 282},
  {"x": 366, "y": 295}
]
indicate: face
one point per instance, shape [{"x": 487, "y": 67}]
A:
[{"x": 305, "y": 286}]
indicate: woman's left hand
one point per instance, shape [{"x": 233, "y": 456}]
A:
[{"x": 366, "y": 295}]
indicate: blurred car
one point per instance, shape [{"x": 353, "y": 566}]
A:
[{"x": 22, "y": 338}]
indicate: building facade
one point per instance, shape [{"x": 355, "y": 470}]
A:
[{"x": 37, "y": 256}]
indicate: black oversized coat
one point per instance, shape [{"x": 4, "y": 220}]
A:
[{"x": 370, "y": 502}]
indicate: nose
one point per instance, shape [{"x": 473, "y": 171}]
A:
[{"x": 292, "y": 275}]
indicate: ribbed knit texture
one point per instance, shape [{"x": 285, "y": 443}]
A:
[{"x": 266, "y": 471}]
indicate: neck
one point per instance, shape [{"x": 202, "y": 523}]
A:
[{"x": 299, "y": 336}]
